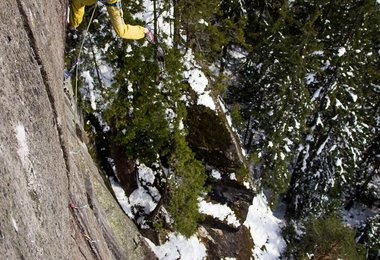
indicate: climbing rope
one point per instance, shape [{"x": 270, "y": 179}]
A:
[
  {"x": 77, "y": 62},
  {"x": 80, "y": 52}
]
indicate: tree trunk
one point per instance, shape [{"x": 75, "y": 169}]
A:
[{"x": 176, "y": 37}]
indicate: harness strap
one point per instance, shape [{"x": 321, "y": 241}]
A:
[{"x": 117, "y": 4}]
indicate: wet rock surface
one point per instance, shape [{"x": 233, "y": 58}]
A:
[
  {"x": 54, "y": 204},
  {"x": 210, "y": 140}
]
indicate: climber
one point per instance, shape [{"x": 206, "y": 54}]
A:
[{"x": 126, "y": 31}]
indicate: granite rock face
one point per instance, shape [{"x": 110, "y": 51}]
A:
[{"x": 53, "y": 202}]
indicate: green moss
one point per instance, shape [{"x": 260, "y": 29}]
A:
[{"x": 242, "y": 174}]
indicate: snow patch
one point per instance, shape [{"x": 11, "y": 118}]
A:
[
  {"x": 141, "y": 197},
  {"x": 206, "y": 100},
  {"x": 265, "y": 230},
  {"x": 341, "y": 51},
  {"x": 142, "y": 200},
  {"x": 121, "y": 197},
  {"x": 218, "y": 211},
  {"x": 146, "y": 174},
  {"x": 179, "y": 247},
  {"x": 197, "y": 80},
  {"x": 216, "y": 174},
  {"x": 319, "y": 53}
]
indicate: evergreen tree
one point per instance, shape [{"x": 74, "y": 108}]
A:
[
  {"x": 186, "y": 186},
  {"x": 342, "y": 119},
  {"x": 328, "y": 238},
  {"x": 307, "y": 94}
]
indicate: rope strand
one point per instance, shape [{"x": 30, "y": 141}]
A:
[{"x": 80, "y": 51}]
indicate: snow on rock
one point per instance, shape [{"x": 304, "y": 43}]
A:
[
  {"x": 142, "y": 200},
  {"x": 197, "y": 80},
  {"x": 265, "y": 230},
  {"x": 179, "y": 247},
  {"x": 121, "y": 197},
  {"x": 233, "y": 176},
  {"x": 218, "y": 211},
  {"x": 216, "y": 174},
  {"x": 206, "y": 100},
  {"x": 141, "y": 197},
  {"x": 146, "y": 174}
]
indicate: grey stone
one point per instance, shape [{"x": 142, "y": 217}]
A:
[{"x": 53, "y": 202}]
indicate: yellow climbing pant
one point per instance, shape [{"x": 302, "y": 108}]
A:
[{"x": 126, "y": 31}]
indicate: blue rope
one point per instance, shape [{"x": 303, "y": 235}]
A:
[
  {"x": 68, "y": 73},
  {"x": 117, "y": 4}
]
